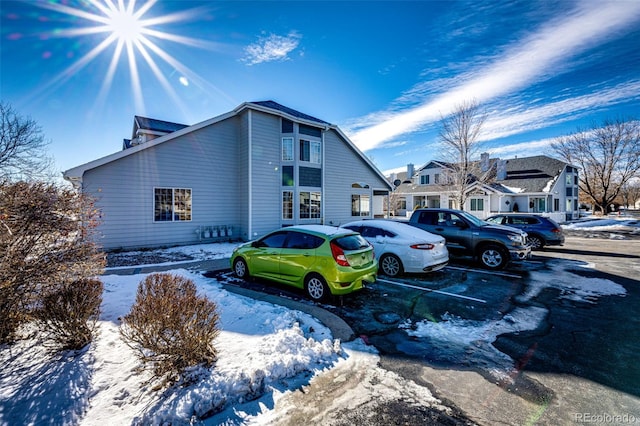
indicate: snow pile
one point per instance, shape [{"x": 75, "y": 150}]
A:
[
  {"x": 262, "y": 348},
  {"x": 605, "y": 224}
]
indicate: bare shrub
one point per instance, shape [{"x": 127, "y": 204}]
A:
[
  {"x": 69, "y": 314},
  {"x": 46, "y": 241},
  {"x": 170, "y": 326}
]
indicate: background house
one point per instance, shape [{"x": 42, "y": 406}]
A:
[
  {"x": 538, "y": 184},
  {"x": 238, "y": 175}
]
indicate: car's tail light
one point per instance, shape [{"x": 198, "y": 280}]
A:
[
  {"x": 338, "y": 255},
  {"x": 556, "y": 230},
  {"x": 424, "y": 246}
]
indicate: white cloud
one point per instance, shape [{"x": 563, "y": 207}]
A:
[
  {"x": 533, "y": 59},
  {"x": 522, "y": 118},
  {"x": 271, "y": 48}
]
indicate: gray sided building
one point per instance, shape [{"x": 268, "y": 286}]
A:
[{"x": 235, "y": 176}]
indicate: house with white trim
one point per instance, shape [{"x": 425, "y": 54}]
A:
[
  {"x": 538, "y": 184},
  {"x": 235, "y": 176}
]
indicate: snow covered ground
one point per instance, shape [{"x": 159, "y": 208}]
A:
[{"x": 266, "y": 353}]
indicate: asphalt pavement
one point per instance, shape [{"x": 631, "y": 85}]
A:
[{"x": 579, "y": 368}]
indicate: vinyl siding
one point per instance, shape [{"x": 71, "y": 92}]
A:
[
  {"x": 265, "y": 173},
  {"x": 201, "y": 161},
  {"x": 343, "y": 167}
]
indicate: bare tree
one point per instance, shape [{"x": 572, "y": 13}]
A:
[
  {"x": 46, "y": 242},
  {"x": 459, "y": 139},
  {"x": 631, "y": 193},
  {"x": 23, "y": 154},
  {"x": 609, "y": 156}
]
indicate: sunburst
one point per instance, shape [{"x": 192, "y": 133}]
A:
[{"x": 134, "y": 36}]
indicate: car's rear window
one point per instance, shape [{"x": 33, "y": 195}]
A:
[{"x": 351, "y": 242}]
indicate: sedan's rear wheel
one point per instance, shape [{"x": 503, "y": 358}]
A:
[
  {"x": 316, "y": 287},
  {"x": 391, "y": 266},
  {"x": 240, "y": 268},
  {"x": 493, "y": 257}
]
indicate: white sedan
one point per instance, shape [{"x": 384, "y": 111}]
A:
[{"x": 402, "y": 248}]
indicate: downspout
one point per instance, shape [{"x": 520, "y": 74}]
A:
[
  {"x": 322, "y": 168},
  {"x": 250, "y": 186}
]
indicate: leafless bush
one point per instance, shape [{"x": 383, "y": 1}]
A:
[
  {"x": 170, "y": 326},
  {"x": 69, "y": 314},
  {"x": 45, "y": 242}
]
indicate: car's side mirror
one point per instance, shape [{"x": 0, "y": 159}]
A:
[{"x": 257, "y": 244}]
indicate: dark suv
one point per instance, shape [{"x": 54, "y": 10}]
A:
[
  {"x": 493, "y": 245},
  {"x": 541, "y": 231}
]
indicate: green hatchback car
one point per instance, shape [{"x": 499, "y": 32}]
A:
[{"x": 320, "y": 259}]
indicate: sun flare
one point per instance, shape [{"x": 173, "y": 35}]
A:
[
  {"x": 131, "y": 36},
  {"x": 125, "y": 26}
]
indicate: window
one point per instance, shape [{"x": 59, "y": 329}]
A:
[
  {"x": 287, "y": 205},
  {"x": 556, "y": 204},
  {"x": 436, "y": 178},
  {"x": 424, "y": 180},
  {"x": 287, "y": 176},
  {"x": 287, "y": 149},
  {"x": 419, "y": 201},
  {"x": 360, "y": 205},
  {"x": 310, "y": 151},
  {"x": 274, "y": 240},
  {"x": 477, "y": 204},
  {"x": 310, "y": 203},
  {"x": 569, "y": 179},
  {"x": 287, "y": 126},
  {"x": 308, "y": 130},
  {"x": 402, "y": 204},
  {"x": 171, "y": 204},
  {"x": 302, "y": 241}
]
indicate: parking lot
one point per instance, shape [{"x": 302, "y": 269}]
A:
[{"x": 549, "y": 339}]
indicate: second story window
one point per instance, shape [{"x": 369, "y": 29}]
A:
[
  {"x": 436, "y": 178},
  {"x": 287, "y": 149},
  {"x": 424, "y": 180},
  {"x": 310, "y": 151}
]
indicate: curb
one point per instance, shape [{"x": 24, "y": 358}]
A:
[{"x": 339, "y": 328}]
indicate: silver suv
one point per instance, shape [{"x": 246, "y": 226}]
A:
[{"x": 492, "y": 245}]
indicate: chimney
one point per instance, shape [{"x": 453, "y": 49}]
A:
[
  {"x": 484, "y": 162},
  {"x": 410, "y": 171},
  {"x": 502, "y": 170}
]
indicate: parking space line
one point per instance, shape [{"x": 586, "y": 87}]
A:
[
  {"x": 482, "y": 271},
  {"x": 430, "y": 290}
]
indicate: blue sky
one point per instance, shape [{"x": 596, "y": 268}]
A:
[{"x": 384, "y": 72}]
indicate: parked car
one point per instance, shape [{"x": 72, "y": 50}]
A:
[
  {"x": 492, "y": 245},
  {"x": 320, "y": 259},
  {"x": 541, "y": 231},
  {"x": 402, "y": 248}
]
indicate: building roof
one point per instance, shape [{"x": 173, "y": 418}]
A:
[
  {"x": 532, "y": 174},
  {"x": 523, "y": 175},
  {"x": 289, "y": 111},
  {"x": 157, "y": 125},
  {"x": 75, "y": 174}
]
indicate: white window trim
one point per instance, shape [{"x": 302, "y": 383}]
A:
[{"x": 173, "y": 204}]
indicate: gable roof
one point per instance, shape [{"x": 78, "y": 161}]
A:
[
  {"x": 522, "y": 175},
  {"x": 155, "y": 125},
  {"x": 532, "y": 174},
  {"x": 292, "y": 112},
  {"x": 75, "y": 174}
]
